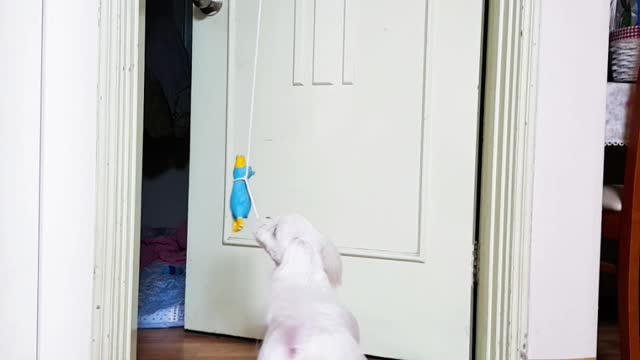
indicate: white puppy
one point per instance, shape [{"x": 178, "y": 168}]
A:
[{"x": 305, "y": 320}]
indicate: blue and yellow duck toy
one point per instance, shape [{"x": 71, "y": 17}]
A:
[{"x": 240, "y": 196}]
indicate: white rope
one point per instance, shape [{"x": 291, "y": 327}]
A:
[{"x": 252, "y": 109}]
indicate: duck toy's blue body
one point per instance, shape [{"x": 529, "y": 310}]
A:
[{"x": 240, "y": 198}]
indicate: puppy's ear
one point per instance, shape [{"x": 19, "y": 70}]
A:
[
  {"x": 332, "y": 262},
  {"x": 266, "y": 237},
  {"x": 265, "y": 233}
]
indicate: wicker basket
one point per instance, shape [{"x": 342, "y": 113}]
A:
[{"x": 624, "y": 49}]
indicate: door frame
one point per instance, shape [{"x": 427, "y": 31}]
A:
[
  {"x": 119, "y": 178},
  {"x": 506, "y": 178}
]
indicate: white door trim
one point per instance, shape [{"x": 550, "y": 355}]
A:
[
  {"x": 506, "y": 179},
  {"x": 119, "y": 172}
]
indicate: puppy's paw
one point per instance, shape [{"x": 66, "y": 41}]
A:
[{"x": 266, "y": 229}]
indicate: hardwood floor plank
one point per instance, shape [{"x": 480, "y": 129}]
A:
[
  {"x": 608, "y": 343},
  {"x": 177, "y": 344}
]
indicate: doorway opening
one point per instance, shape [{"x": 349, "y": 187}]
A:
[
  {"x": 121, "y": 327},
  {"x": 165, "y": 165}
]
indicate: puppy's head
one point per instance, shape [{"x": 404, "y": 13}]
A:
[{"x": 276, "y": 236}]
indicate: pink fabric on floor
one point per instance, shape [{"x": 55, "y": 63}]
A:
[
  {"x": 181, "y": 234},
  {"x": 171, "y": 249}
]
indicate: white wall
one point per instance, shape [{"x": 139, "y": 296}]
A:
[
  {"x": 568, "y": 179},
  {"x": 20, "y": 46},
  {"x": 68, "y": 199}
]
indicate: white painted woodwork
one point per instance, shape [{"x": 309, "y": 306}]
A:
[{"x": 366, "y": 123}]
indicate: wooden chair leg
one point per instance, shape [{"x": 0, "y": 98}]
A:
[{"x": 628, "y": 300}]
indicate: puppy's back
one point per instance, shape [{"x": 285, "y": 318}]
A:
[{"x": 339, "y": 346}]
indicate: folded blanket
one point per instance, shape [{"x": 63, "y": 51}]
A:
[{"x": 167, "y": 246}]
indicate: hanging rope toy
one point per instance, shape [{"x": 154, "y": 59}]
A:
[{"x": 241, "y": 197}]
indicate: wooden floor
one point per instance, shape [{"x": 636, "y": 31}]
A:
[
  {"x": 608, "y": 344},
  {"x": 177, "y": 344}
]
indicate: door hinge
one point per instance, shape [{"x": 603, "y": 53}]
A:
[
  {"x": 523, "y": 347},
  {"x": 476, "y": 262}
]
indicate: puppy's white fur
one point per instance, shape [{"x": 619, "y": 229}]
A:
[{"x": 305, "y": 320}]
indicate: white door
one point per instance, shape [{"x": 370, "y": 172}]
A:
[{"x": 367, "y": 124}]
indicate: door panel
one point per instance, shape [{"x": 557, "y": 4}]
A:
[
  {"x": 366, "y": 123},
  {"x": 341, "y": 134}
]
